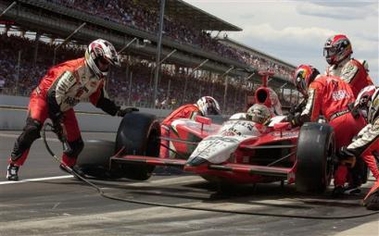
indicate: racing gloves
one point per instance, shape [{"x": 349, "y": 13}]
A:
[
  {"x": 295, "y": 119},
  {"x": 60, "y": 130},
  {"x": 123, "y": 111}
]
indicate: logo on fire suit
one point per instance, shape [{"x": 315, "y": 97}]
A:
[
  {"x": 71, "y": 101},
  {"x": 339, "y": 95}
]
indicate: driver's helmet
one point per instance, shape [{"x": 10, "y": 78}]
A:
[
  {"x": 101, "y": 51},
  {"x": 304, "y": 75},
  {"x": 208, "y": 106},
  {"x": 258, "y": 113},
  {"x": 373, "y": 108},
  {"x": 336, "y": 49},
  {"x": 364, "y": 97}
]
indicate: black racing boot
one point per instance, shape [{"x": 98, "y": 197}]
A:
[
  {"x": 338, "y": 191},
  {"x": 75, "y": 171}
]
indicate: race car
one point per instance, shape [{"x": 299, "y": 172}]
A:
[{"x": 236, "y": 152}]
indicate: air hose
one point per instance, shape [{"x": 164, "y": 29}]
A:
[{"x": 65, "y": 147}]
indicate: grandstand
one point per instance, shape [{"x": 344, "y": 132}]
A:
[{"x": 60, "y": 29}]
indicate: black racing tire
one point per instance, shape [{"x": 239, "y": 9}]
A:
[
  {"x": 94, "y": 159},
  {"x": 138, "y": 134},
  {"x": 315, "y": 152}
]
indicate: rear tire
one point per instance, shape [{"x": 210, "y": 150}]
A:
[
  {"x": 138, "y": 134},
  {"x": 315, "y": 151}
]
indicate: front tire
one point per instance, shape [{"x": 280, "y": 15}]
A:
[{"x": 315, "y": 151}]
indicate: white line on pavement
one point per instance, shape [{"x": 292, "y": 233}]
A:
[{"x": 35, "y": 180}]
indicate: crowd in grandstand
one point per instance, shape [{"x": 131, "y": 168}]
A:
[
  {"x": 133, "y": 86},
  {"x": 134, "y": 14},
  {"x": 22, "y": 63}
]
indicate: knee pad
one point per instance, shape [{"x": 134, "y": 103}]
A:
[
  {"x": 30, "y": 133},
  {"x": 75, "y": 148},
  {"x": 32, "y": 130}
]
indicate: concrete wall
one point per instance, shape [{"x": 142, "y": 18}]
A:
[{"x": 90, "y": 118}]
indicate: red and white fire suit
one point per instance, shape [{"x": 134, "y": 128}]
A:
[
  {"x": 355, "y": 73},
  {"x": 329, "y": 96},
  {"x": 365, "y": 146},
  {"x": 352, "y": 72},
  {"x": 63, "y": 86},
  {"x": 186, "y": 111}
]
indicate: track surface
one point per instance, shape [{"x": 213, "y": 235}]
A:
[{"x": 47, "y": 201}]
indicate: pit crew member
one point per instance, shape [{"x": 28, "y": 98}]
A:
[
  {"x": 328, "y": 96},
  {"x": 63, "y": 87},
  {"x": 205, "y": 106},
  {"x": 366, "y": 146},
  {"x": 337, "y": 52}
]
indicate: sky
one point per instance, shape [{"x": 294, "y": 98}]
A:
[{"x": 295, "y": 31}]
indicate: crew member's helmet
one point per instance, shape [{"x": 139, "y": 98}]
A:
[
  {"x": 258, "y": 113},
  {"x": 364, "y": 97},
  {"x": 373, "y": 107},
  {"x": 99, "y": 55},
  {"x": 208, "y": 106},
  {"x": 304, "y": 75},
  {"x": 336, "y": 49}
]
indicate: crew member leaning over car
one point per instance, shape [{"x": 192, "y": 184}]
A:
[
  {"x": 328, "y": 96},
  {"x": 205, "y": 106},
  {"x": 366, "y": 145}
]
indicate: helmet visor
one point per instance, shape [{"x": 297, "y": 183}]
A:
[
  {"x": 329, "y": 51},
  {"x": 102, "y": 63},
  {"x": 212, "y": 110},
  {"x": 301, "y": 84}
]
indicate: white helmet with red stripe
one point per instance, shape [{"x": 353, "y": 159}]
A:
[
  {"x": 208, "y": 106},
  {"x": 99, "y": 54}
]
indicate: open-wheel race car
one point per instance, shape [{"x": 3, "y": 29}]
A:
[{"x": 236, "y": 151}]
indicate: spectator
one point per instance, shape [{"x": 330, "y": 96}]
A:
[{"x": 2, "y": 83}]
